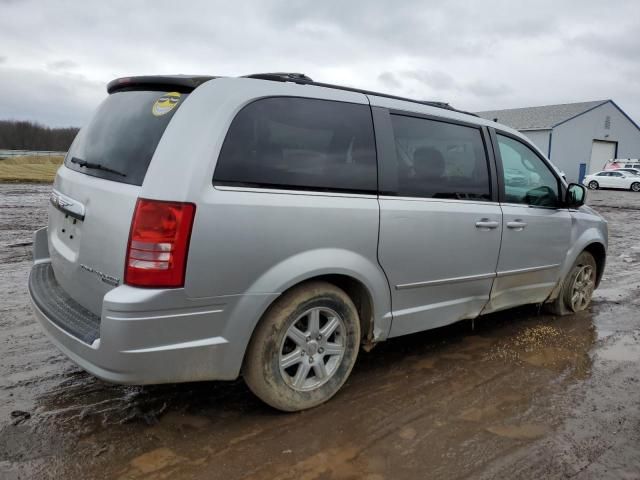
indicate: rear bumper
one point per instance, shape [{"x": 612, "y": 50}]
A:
[
  {"x": 167, "y": 364},
  {"x": 61, "y": 309},
  {"x": 145, "y": 336}
]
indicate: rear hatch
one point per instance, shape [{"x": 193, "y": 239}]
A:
[{"x": 96, "y": 190}]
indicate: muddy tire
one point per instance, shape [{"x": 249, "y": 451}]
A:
[
  {"x": 577, "y": 287},
  {"x": 635, "y": 187},
  {"x": 593, "y": 185},
  {"x": 304, "y": 347}
]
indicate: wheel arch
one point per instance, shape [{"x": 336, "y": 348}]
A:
[
  {"x": 359, "y": 295},
  {"x": 592, "y": 240},
  {"x": 599, "y": 253},
  {"x": 355, "y": 289},
  {"x": 361, "y": 278}
]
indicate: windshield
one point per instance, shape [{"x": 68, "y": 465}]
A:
[{"x": 121, "y": 138}]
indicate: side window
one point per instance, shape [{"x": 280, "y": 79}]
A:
[
  {"x": 288, "y": 142},
  {"x": 439, "y": 160},
  {"x": 603, "y": 174},
  {"x": 527, "y": 179},
  {"x": 616, "y": 174}
]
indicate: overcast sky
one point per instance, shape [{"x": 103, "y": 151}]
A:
[{"x": 57, "y": 56}]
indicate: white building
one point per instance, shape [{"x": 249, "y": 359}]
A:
[{"x": 578, "y": 137}]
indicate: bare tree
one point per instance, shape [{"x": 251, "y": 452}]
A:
[{"x": 23, "y": 135}]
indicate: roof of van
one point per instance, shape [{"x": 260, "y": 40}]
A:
[{"x": 188, "y": 83}]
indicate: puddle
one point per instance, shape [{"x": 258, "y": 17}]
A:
[
  {"x": 184, "y": 421},
  {"x": 407, "y": 433},
  {"x": 155, "y": 460},
  {"x": 551, "y": 357},
  {"x": 519, "y": 432}
]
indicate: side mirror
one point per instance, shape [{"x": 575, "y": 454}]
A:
[{"x": 575, "y": 196}]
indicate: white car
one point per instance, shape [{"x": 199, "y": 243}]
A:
[
  {"x": 632, "y": 171},
  {"x": 613, "y": 179}
]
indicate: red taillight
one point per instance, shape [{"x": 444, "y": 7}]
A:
[{"x": 159, "y": 243}]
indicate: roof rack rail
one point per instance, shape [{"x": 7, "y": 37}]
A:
[
  {"x": 302, "y": 79},
  {"x": 282, "y": 77}
]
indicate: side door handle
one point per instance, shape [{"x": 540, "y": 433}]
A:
[
  {"x": 517, "y": 225},
  {"x": 486, "y": 224}
]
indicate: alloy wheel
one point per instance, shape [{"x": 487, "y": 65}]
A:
[
  {"x": 312, "y": 349},
  {"x": 582, "y": 289}
]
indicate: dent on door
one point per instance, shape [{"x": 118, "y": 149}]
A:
[
  {"x": 534, "y": 246},
  {"x": 440, "y": 258}
]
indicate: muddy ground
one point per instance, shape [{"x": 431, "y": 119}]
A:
[{"x": 524, "y": 395}]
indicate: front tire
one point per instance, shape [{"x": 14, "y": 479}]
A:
[
  {"x": 593, "y": 185},
  {"x": 635, "y": 187},
  {"x": 577, "y": 287},
  {"x": 304, "y": 347}
]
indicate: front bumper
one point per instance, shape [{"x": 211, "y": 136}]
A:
[{"x": 145, "y": 336}]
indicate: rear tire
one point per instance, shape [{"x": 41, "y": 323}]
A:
[
  {"x": 593, "y": 185},
  {"x": 635, "y": 187},
  {"x": 304, "y": 347},
  {"x": 577, "y": 287}
]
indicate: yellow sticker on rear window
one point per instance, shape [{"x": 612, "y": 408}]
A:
[{"x": 165, "y": 103}]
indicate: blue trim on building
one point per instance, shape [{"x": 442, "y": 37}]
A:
[
  {"x": 549, "y": 147},
  {"x": 582, "y": 171}
]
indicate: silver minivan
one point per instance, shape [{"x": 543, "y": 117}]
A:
[{"x": 203, "y": 228}]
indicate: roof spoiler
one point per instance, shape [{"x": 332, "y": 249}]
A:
[{"x": 179, "y": 83}]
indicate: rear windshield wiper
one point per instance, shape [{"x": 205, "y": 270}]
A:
[{"x": 95, "y": 166}]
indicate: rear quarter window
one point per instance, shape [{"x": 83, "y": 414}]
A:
[
  {"x": 300, "y": 143},
  {"x": 123, "y": 135}
]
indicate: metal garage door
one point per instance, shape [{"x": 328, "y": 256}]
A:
[{"x": 601, "y": 152}]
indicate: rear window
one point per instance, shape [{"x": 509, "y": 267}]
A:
[
  {"x": 122, "y": 136},
  {"x": 300, "y": 143}
]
